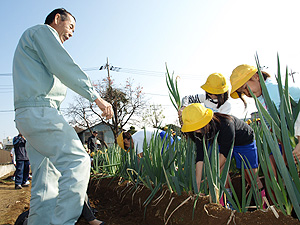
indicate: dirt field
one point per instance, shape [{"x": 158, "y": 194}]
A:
[
  {"x": 123, "y": 205},
  {"x": 13, "y": 202},
  {"x": 118, "y": 205}
]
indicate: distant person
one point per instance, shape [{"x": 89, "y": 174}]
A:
[
  {"x": 99, "y": 145},
  {"x": 13, "y": 156},
  {"x": 92, "y": 142},
  {"x": 136, "y": 141},
  {"x": 13, "y": 160},
  {"x": 216, "y": 95},
  {"x": 42, "y": 71},
  {"x": 22, "y": 162},
  {"x": 85, "y": 145}
]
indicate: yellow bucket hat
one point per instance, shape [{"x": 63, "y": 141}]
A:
[
  {"x": 195, "y": 116},
  {"x": 240, "y": 75},
  {"x": 215, "y": 84},
  {"x": 120, "y": 141}
]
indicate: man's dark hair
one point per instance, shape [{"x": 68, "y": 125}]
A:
[{"x": 64, "y": 15}]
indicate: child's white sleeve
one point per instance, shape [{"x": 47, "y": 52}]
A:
[{"x": 297, "y": 126}]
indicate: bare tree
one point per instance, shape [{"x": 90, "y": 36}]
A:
[
  {"x": 153, "y": 116},
  {"x": 126, "y": 102},
  {"x": 80, "y": 113}
]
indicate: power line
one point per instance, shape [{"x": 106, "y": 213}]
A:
[
  {"x": 5, "y": 74},
  {"x": 148, "y": 72},
  {"x": 128, "y": 70},
  {"x": 143, "y": 71},
  {"x": 90, "y": 69},
  {"x": 109, "y": 67},
  {"x": 155, "y": 94},
  {"x": 9, "y": 110},
  {"x": 2, "y": 92}
]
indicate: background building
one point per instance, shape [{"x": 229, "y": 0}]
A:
[{"x": 105, "y": 134}]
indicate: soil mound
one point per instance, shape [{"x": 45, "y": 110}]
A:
[{"x": 124, "y": 204}]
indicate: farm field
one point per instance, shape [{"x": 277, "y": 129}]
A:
[
  {"x": 121, "y": 205},
  {"x": 117, "y": 205}
]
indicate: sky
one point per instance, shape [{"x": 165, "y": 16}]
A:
[{"x": 194, "y": 37}]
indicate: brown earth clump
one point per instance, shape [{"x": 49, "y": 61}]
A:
[{"x": 123, "y": 204}]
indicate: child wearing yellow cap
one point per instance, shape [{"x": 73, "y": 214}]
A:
[
  {"x": 136, "y": 141},
  {"x": 245, "y": 76},
  {"x": 215, "y": 97},
  {"x": 199, "y": 122}
]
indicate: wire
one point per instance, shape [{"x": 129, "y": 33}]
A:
[
  {"x": 149, "y": 73},
  {"x": 155, "y": 94},
  {"x": 9, "y": 110},
  {"x": 142, "y": 72},
  {"x": 90, "y": 69},
  {"x": 5, "y": 74},
  {"x": 131, "y": 71},
  {"x": 156, "y": 73}
]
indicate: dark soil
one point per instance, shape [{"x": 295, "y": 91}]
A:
[{"x": 122, "y": 204}]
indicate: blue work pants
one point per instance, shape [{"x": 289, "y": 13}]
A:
[
  {"x": 60, "y": 166},
  {"x": 22, "y": 172}
]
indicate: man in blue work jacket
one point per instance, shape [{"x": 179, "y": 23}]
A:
[
  {"x": 42, "y": 71},
  {"x": 22, "y": 162}
]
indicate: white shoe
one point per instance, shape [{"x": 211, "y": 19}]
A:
[{"x": 26, "y": 184}]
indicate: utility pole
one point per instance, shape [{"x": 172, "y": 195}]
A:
[
  {"x": 108, "y": 75},
  {"x": 107, "y": 67}
]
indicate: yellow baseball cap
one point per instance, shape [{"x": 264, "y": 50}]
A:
[
  {"x": 215, "y": 84},
  {"x": 195, "y": 116},
  {"x": 120, "y": 141},
  {"x": 240, "y": 75}
]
